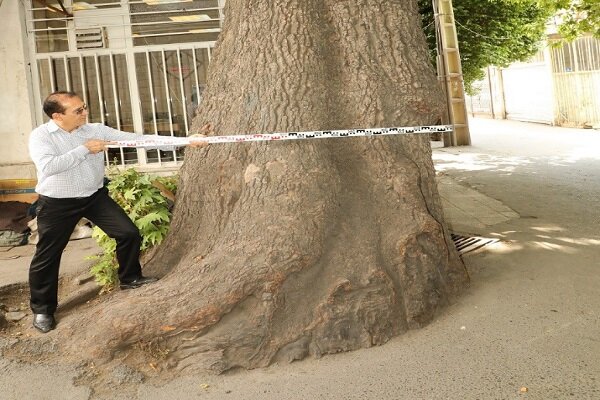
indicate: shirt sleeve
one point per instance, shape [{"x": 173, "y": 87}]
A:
[
  {"x": 111, "y": 134},
  {"x": 47, "y": 160}
]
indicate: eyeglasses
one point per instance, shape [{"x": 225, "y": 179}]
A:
[{"x": 80, "y": 110}]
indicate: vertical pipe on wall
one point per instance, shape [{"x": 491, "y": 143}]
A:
[
  {"x": 168, "y": 97},
  {"x": 51, "y": 73},
  {"x": 196, "y": 77},
  {"x": 152, "y": 99},
  {"x": 83, "y": 82},
  {"x": 117, "y": 104},
  {"x": 67, "y": 73},
  {"x": 183, "y": 98}
]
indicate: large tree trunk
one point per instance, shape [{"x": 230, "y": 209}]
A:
[{"x": 284, "y": 249}]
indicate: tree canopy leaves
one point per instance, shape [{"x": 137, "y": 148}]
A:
[
  {"x": 499, "y": 32},
  {"x": 491, "y": 32},
  {"x": 577, "y": 16}
]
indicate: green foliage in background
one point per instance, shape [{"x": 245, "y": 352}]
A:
[
  {"x": 146, "y": 207},
  {"x": 500, "y": 32},
  {"x": 491, "y": 32},
  {"x": 578, "y": 16}
]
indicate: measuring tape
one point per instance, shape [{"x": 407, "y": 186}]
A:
[{"x": 183, "y": 141}]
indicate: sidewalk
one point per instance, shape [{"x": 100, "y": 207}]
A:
[
  {"x": 14, "y": 261},
  {"x": 527, "y": 328}
]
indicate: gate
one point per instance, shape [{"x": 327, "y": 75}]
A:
[
  {"x": 150, "y": 91},
  {"x": 140, "y": 66}
]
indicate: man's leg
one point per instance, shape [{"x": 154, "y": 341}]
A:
[
  {"x": 56, "y": 219},
  {"x": 111, "y": 218}
]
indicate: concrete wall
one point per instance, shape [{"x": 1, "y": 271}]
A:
[{"x": 16, "y": 118}]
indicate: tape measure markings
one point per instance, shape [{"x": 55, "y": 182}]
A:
[{"x": 183, "y": 141}]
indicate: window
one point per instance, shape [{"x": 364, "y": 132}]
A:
[{"x": 174, "y": 21}]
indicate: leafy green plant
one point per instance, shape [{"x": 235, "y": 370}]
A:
[{"x": 139, "y": 196}]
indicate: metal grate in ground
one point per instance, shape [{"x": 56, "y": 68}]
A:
[{"x": 465, "y": 244}]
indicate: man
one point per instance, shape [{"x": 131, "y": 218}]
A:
[{"x": 68, "y": 155}]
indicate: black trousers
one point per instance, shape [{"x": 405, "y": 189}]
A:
[{"x": 56, "y": 219}]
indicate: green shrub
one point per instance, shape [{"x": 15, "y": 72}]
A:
[{"x": 137, "y": 194}]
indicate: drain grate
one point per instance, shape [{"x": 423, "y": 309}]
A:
[{"x": 465, "y": 244}]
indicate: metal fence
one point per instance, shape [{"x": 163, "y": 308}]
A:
[
  {"x": 167, "y": 83},
  {"x": 573, "y": 82},
  {"x": 576, "y": 78},
  {"x": 145, "y": 73}
]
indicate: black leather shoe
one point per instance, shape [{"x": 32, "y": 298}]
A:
[
  {"x": 137, "y": 282},
  {"x": 44, "y": 322}
]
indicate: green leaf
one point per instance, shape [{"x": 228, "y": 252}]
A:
[
  {"x": 146, "y": 207},
  {"x": 130, "y": 193}
]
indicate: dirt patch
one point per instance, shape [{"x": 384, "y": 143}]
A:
[
  {"x": 13, "y": 299},
  {"x": 74, "y": 293},
  {"x": 20, "y": 342}
]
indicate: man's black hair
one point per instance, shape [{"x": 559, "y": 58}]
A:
[{"x": 52, "y": 104}]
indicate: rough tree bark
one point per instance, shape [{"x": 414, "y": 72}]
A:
[{"x": 280, "y": 250}]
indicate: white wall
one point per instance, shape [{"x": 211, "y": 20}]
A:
[
  {"x": 16, "y": 119},
  {"x": 528, "y": 93}
]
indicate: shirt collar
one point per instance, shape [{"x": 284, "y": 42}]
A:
[{"x": 52, "y": 127}]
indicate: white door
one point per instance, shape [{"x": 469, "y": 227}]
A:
[{"x": 528, "y": 93}]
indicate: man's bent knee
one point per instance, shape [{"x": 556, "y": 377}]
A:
[{"x": 129, "y": 235}]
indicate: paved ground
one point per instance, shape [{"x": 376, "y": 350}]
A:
[
  {"x": 14, "y": 262},
  {"x": 527, "y": 328}
]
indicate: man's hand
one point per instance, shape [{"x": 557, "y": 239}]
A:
[
  {"x": 96, "y": 146},
  {"x": 206, "y": 130}
]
